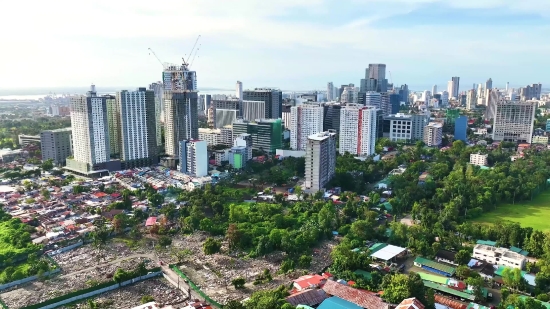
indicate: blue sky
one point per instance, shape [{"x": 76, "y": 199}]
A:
[{"x": 290, "y": 44}]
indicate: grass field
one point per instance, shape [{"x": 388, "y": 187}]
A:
[{"x": 533, "y": 213}]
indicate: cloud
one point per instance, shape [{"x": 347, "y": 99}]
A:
[{"x": 281, "y": 43}]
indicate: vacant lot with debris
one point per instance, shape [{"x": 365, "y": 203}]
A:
[
  {"x": 127, "y": 297},
  {"x": 213, "y": 273}
]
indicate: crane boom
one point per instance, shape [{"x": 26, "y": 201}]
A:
[
  {"x": 152, "y": 52},
  {"x": 192, "y": 49},
  {"x": 195, "y": 55}
]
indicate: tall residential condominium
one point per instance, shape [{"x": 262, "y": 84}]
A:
[
  {"x": 385, "y": 104},
  {"x": 374, "y": 99},
  {"x": 514, "y": 121},
  {"x": 445, "y": 98},
  {"x": 56, "y": 145},
  {"x": 90, "y": 129},
  {"x": 530, "y": 92},
  {"x": 159, "y": 109},
  {"x": 273, "y": 99},
  {"x": 239, "y": 90},
  {"x": 492, "y": 96},
  {"x": 489, "y": 84},
  {"x": 305, "y": 120},
  {"x": 331, "y": 116},
  {"x": 266, "y": 134},
  {"x": 471, "y": 99},
  {"x": 349, "y": 95},
  {"x": 193, "y": 158},
  {"x": 180, "y": 106},
  {"x": 287, "y": 109},
  {"x": 358, "y": 133},
  {"x": 252, "y": 110},
  {"x": 433, "y": 134},
  {"x": 113, "y": 121},
  {"x": 434, "y": 89},
  {"x": 138, "y": 130},
  {"x": 404, "y": 93},
  {"x": 453, "y": 86},
  {"x": 419, "y": 122},
  {"x": 320, "y": 160},
  {"x": 330, "y": 91},
  {"x": 377, "y": 72}
]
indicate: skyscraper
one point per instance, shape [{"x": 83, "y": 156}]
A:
[
  {"x": 159, "y": 109},
  {"x": 138, "y": 143},
  {"x": 56, "y": 145},
  {"x": 90, "y": 132},
  {"x": 305, "y": 120},
  {"x": 180, "y": 101},
  {"x": 349, "y": 95},
  {"x": 514, "y": 121},
  {"x": 252, "y": 110},
  {"x": 471, "y": 99},
  {"x": 453, "y": 86},
  {"x": 433, "y": 134},
  {"x": 404, "y": 93},
  {"x": 445, "y": 98},
  {"x": 374, "y": 99},
  {"x": 320, "y": 160},
  {"x": 193, "y": 157},
  {"x": 273, "y": 99},
  {"x": 113, "y": 120},
  {"x": 461, "y": 128},
  {"x": 434, "y": 89},
  {"x": 330, "y": 91},
  {"x": 358, "y": 133},
  {"x": 489, "y": 84},
  {"x": 377, "y": 71},
  {"x": 239, "y": 90}
]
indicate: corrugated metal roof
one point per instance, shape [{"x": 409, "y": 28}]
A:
[
  {"x": 435, "y": 265},
  {"x": 433, "y": 278},
  {"x": 451, "y": 303},
  {"x": 361, "y": 298},
  {"x": 307, "y": 297}
]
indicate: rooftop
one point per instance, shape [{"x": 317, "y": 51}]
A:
[
  {"x": 321, "y": 136},
  {"x": 361, "y": 298}
]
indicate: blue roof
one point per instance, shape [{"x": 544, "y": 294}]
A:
[
  {"x": 337, "y": 303},
  {"x": 486, "y": 242}
]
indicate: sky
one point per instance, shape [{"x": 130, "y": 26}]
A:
[{"x": 289, "y": 44}]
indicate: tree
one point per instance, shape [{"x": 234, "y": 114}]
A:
[
  {"x": 146, "y": 299},
  {"x": 211, "y": 246},
  {"x": 462, "y": 272},
  {"x": 45, "y": 193},
  {"x": 164, "y": 241},
  {"x": 238, "y": 282},
  {"x": 233, "y": 304},
  {"x": 477, "y": 284},
  {"x": 270, "y": 299},
  {"x": 463, "y": 257},
  {"x": 155, "y": 199},
  {"x": 47, "y": 165},
  {"x": 396, "y": 288},
  {"x": 233, "y": 236},
  {"x": 305, "y": 261}
]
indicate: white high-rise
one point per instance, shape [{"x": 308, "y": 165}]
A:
[
  {"x": 513, "y": 121},
  {"x": 433, "y": 134},
  {"x": 471, "y": 99},
  {"x": 330, "y": 92},
  {"x": 90, "y": 128},
  {"x": 193, "y": 157},
  {"x": 350, "y": 95},
  {"x": 445, "y": 98},
  {"x": 239, "y": 90},
  {"x": 320, "y": 160},
  {"x": 358, "y": 131},
  {"x": 434, "y": 89},
  {"x": 305, "y": 120},
  {"x": 374, "y": 99},
  {"x": 252, "y": 110}
]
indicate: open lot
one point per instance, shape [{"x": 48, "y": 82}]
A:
[{"x": 533, "y": 213}]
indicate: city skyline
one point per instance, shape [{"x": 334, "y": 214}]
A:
[{"x": 253, "y": 43}]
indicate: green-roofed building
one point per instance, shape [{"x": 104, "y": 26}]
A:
[
  {"x": 486, "y": 242},
  {"x": 445, "y": 289},
  {"x": 434, "y": 267},
  {"x": 363, "y": 273},
  {"x": 377, "y": 247},
  {"x": 388, "y": 206},
  {"x": 433, "y": 278},
  {"x": 476, "y": 306},
  {"x": 519, "y": 250}
]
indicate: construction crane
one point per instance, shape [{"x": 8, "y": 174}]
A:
[
  {"x": 391, "y": 78},
  {"x": 195, "y": 55},
  {"x": 152, "y": 52},
  {"x": 186, "y": 62}
]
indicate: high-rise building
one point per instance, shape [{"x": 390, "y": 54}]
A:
[
  {"x": 471, "y": 99},
  {"x": 489, "y": 84},
  {"x": 212, "y": 137},
  {"x": 113, "y": 120},
  {"x": 480, "y": 93},
  {"x": 252, "y": 110},
  {"x": 492, "y": 96},
  {"x": 377, "y": 71},
  {"x": 461, "y": 128},
  {"x": 266, "y": 134},
  {"x": 224, "y": 117},
  {"x": 433, "y": 134},
  {"x": 159, "y": 109},
  {"x": 419, "y": 122},
  {"x": 404, "y": 93},
  {"x": 193, "y": 157},
  {"x": 530, "y": 92},
  {"x": 138, "y": 143},
  {"x": 400, "y": 127},
  {"x": 514, "y": 121},
  {"x": 395, "y": 103},
  {"x": 456, "y": 86},
  {"x": 56, "y": 145},
  {"x": 445, "y": 98},
  {"x": 331, "y": 116},
  {"x": 385, "y": 104},
  {"x": 239, "y": 90},
  {"x": 320, "y": 160},
  {"x": 358, "y": 133},
  {"x": 349, "y": 95},
  {"x": 273, "y": 99},
  {"x": 180, "y": 106},
  {"x": 434, "y": 89},
  {"x": 330, "y": 91},
  {"x": 374, "y": 99},
  {"x": 305, "y": 120},
  {"x": 286, "y": 115},
  {"x": 90, "y": 129}
]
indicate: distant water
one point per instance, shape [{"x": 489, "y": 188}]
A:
[{"x": 40, "y": 96}]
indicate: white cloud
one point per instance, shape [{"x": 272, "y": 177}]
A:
[{"x": 77, "y": 42}]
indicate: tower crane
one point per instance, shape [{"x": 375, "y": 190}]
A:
[
  {"x": 152, "y": 52},
  {"x": 186, "y": 62},
  {"x": 391, "y": 77},
  {"x": 195, "y": 55}
]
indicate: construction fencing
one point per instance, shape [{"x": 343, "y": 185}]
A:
[{"x": 195, "y": 288}]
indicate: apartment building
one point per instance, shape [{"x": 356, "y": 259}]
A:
[
  {"x": 400, "y": 127},
  {"x": 513, "y": 121},
  {"x": 305, "y": 120},
  {"x": 320, "y": 160},
  {"x": 499, "y": 256},
  {"x": 433, "y": 134},
  {"x": 56, "y": 145},
  {"x": 193, "y": 158},
  {"x": 358, "y": 133},
  {"x": 478, "y": 159},
  {"x": 266, "y": 134},
  {"x": 210, "y": 136}
]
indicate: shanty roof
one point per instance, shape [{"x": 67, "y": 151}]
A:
[
  {"x": 308, "y": 297},
  {"x": 361, "y": 298},
  {"x": 410, "y": 303}
]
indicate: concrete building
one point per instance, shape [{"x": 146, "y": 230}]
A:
[
  {"x": 287, "y": 115},
  {"x": 273, "y": 99},
  {"x": 56, "y": 145},
  {"x": 489, "y": 84},
  {"x": 400, "y": 127},
  {"x": 159, "y": 109},
  {"x": 224, "y": 117},
  {"x": 239, "y": 90},
  {"x": 358, "y": 133},
  {"x": 330, "y": 92},
  {"x": 138, "y": 143},
  {"x": 320, "y": 160},
  {"x": 212, "y": 137},
  {"x": 513, "y": 121},
  {"x": 226, "y": 135},
  {"x": 540, "y": 139},
  {"x": 453, "y": 87},
  {"x": 305, "y": 120},
  {"x": 266, "y": 134},
  {"x": 374, "y": 99},
  {"x": 350, "y": 95},
  {"x": 252, "y": 110},
  {"x": 471, "y": 99},
  {"x": 419, "y": 122},
  {"x": 24, "y": 140},
  {"x": 433, "y": 134},
  {"x": 461, "y": 128},
  {"x": 395, "y": 103},
  {"x": 445, "y": 98},
  {"x": 376, "y": 73},
  {"x": 180, "y": 106},
  {"x": 478, "y": 159},
  {"x": 113, "y": 120},
  {"x": 193, "y": 158},
  {"x": 331, "y": 116},
  {"x": 90, "y": 130},
  {"x": 499, "y": 256}
]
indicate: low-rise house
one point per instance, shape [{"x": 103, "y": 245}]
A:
[
  {"x": 445, "y": 256},
  {"x": 499, "y": 256},
  {"x": 308, "y": 282}
]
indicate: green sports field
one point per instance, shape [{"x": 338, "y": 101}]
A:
[{"x": 535, "y": 213}]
